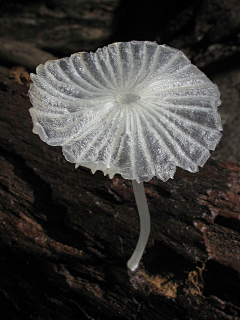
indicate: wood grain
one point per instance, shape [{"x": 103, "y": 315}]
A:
[{"x": 66, "y": 235}]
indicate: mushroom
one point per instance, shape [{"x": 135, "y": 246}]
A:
[{"x": 135, "y": 108}]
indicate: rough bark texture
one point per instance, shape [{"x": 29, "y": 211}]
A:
[
  {"x": 58, "y": 26},
  {"x": 65, "y": 234}
]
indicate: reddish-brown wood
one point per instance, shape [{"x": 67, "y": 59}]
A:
[{"x": 67, "y": 234}]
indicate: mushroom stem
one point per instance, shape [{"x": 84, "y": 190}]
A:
[{"x": 144, "y": 216}]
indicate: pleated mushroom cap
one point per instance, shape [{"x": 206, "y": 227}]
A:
[{"x": 135, "y": 108}]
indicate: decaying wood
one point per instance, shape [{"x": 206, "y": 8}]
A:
[
  {"x": 19, "y": 53},
  {"x": 207, "y": 31},
  {"x": 67, "y": 234},
  {"x": 59, "y": 26}
]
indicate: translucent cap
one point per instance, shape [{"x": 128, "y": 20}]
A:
[{"x": 135, "y": 108}]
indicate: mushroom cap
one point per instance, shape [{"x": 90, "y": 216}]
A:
[{"x": 135, "y": 108}]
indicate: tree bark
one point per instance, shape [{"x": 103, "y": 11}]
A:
[
  {"x": 66, "y": 234},
  {"x": 58, "y": 26},
  {"x": 207, "y": 31}
]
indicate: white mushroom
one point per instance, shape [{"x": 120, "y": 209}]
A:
[{"x": 135, "y": 108}]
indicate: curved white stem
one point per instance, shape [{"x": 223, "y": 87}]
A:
[{"x": 144, "y": 216}]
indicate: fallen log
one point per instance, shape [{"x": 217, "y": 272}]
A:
[{"x": 66, "y": 235}]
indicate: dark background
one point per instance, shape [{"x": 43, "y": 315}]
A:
[
  {"x": 208, "y": 31},
  {"x": 65, "y": 234}
]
